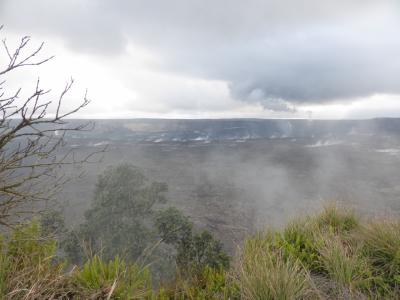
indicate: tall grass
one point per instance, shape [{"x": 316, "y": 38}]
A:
[
  {"x": 344, "y": 257},
  {"x": 330, "y": 255},
  {"x": 301, "y": 238},
  {"x": 350, "y": 272},
  {"x": 27, "y": 268},
  {"x": 381, "y": 246},
  {"x": 114, "y": 279},
  {"x": 336, "y": 219},
  {"x": 263, "y": 273}
]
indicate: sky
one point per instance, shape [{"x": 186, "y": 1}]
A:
[{"x": 214, "y": 58}]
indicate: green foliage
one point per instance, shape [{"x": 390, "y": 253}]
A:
[
  {"x": 316, "y": 257},
  {"x": 173, "y": 226},
  {"x": 120, "y": 218},
  {"x": 345, "y": 266},
  {"x": 96, "y": 274},
  {"x": 27, "y": 246},
  {"x": 381, "y": 246},
  {"x": 73, "y": 247},
  {"x": 301, "y": 239},
  {"x": 347, "y": 258},
  {"x": 52, "y": 223},
  {"x": 209, "y": 284},
  {"x": 195, "y": 252},
  {"x": 264, "y": 273},
  {"x": 202, "y": 251},
  {"x": 113, "y": 278},
  {"x": 217, "y": 285},
  {"x": 298, "y": 241},
  {"x": 27, "y": 266},
  {"x": 123, "y": 221},
  {"x": 336, "y": 220}
]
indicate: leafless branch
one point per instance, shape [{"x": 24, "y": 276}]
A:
[{"x": 32, "y": 141}]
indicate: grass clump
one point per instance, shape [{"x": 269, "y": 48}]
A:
[
  {"x": 264, "y": 273},
  {"x": 343, "y": 264},
  {"x": 113, "y": 278},
  {"x": 381, "y": 246},
  {"x": 301, "y": 238},
  {"x": 330, "y": 255},
  {"x": 336, "y": 219},
  {"x": 210, "y": 284}
]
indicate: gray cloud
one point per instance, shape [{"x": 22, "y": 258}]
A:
[
  {"x": 84, "y": 25},
  {"x": 278, "y": 53}
]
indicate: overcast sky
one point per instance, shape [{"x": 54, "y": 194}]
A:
[{"x": 216, "y": 58}]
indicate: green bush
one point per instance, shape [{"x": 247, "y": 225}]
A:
[
  {"x": 298, "y": 241},
  {"x": 120, "y": 219},
  {"x": 113, "y": 278},
  {"x": 301, "y": 238},
  {"x": 195, "y": 251},
  {"x": 210, "y": 284}
]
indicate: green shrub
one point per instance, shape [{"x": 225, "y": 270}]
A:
[
  {"x": 195, "y": 251},
  {"x": 52, "y": 223},
  {"x": 202, "y": 251},
  {"x": 210, "y": 284},
  {"x": 113, "y": 278},
  {"x": 120, "y": 219},
  {"x": 216, "y": 282},
  {"x": 298, "y": 241}
]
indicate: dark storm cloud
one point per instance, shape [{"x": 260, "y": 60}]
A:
[
  {"x": 84, "y": 25},
  {"x": 277, "y": 53}
]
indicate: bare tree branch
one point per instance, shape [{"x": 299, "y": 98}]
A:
[{"x": 32, "y": 141}]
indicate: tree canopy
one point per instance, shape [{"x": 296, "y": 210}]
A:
[{"x": 120, "y": 217}]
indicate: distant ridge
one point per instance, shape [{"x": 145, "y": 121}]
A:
[{"x": 207, "y": 130}]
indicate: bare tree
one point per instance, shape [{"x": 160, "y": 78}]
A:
[{"x": 32, "y": 138}]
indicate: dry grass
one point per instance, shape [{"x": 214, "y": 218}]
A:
[
  {"x": 343, "y": 264},
  {"x": 28, "y": 269}
]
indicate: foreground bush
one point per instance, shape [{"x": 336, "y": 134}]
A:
[
  {"x": 210, "y": 284},
  {"x": 115, "y": 278},
  {"x": 28, "y": 269},
  {"x": 332, "y": 255}
]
